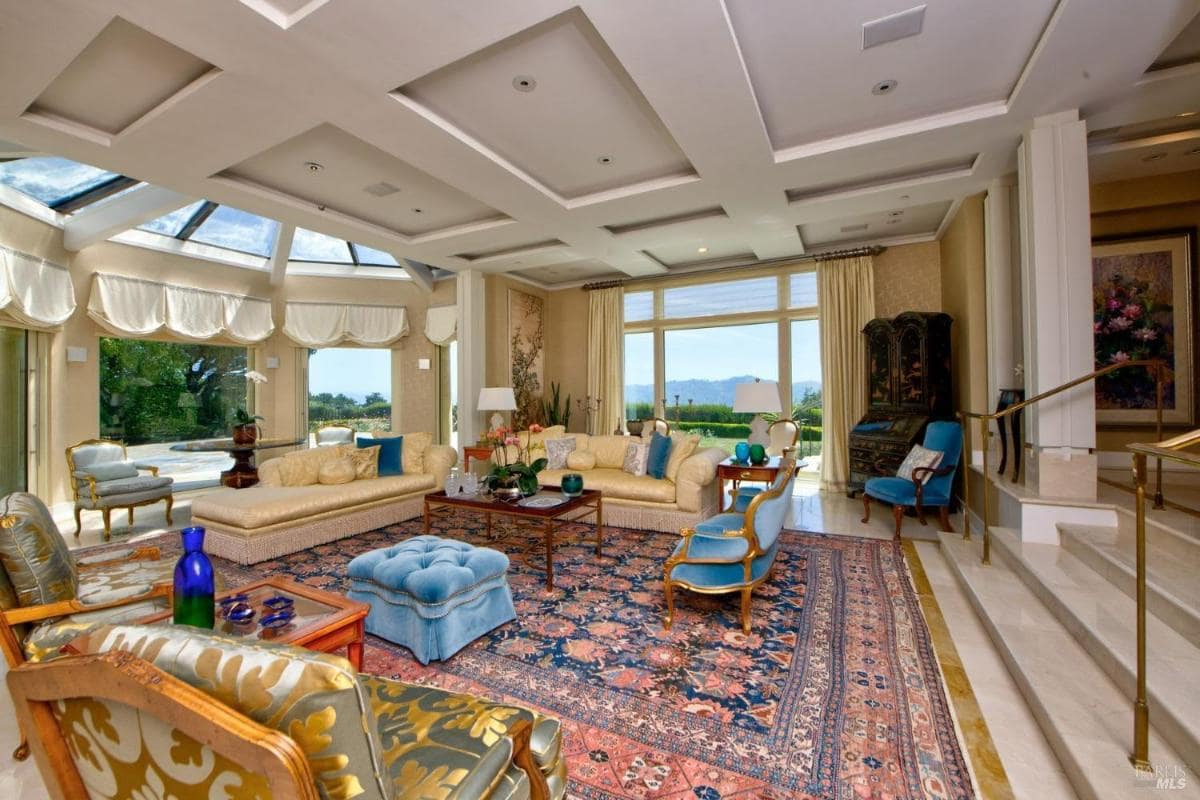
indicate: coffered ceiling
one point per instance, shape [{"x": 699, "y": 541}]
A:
[{"x": 567, "y": 141}]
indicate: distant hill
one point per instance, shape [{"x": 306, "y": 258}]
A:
[{"x": 705, "y": 391}]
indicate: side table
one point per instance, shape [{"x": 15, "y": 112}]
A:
[
  {"x": 476, "y": 452},
  {"x": 737, "y": 471}
]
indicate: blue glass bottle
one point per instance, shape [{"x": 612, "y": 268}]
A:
[
  {"x": 741, "y": 451},
  {"x": 194, "y": 583}
]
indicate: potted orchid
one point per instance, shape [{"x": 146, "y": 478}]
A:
[
  {"x": 245, "y": 425},
  {"x": 516, "y": 478}
]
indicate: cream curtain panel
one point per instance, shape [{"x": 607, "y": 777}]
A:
[
  {"x": 606, "y": 358},
  {"x": 846, "y": 299},
  {"x": 441, "y": 324},
  {"x": 137, "y": 307},
  {"x": 319, "y": 325},
  {"x": 33, "y": 291}
]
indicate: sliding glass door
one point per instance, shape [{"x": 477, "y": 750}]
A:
[{"x": 14, "y": 411}]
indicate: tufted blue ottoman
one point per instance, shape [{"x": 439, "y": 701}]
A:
[{"x": 434, "y": 596}]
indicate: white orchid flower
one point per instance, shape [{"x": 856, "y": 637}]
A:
[{"x": 256, "y": 376}]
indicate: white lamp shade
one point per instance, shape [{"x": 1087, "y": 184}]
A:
[
  {"x": 497, "y": 398},
  {"x": 760, "y": 397}
]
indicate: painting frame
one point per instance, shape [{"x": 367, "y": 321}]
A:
[
  {"x": 526, "y": 354},
  {"x": 1153, "y": 273}
]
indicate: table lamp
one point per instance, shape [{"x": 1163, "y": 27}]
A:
[
  {"x": 496, "y": 399},
  {"x": 758, "y": 398}
]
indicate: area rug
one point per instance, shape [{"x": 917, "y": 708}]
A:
[{"x": 835, "y": 694}]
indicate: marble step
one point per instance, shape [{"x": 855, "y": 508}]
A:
[
  {"x": 1085, "y": 717},
  {"x": 1172, "y": 567},
  {"x": 1103, "y": 621}
]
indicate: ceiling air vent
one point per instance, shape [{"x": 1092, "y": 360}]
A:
[
  {"x": 854, "y": 228},
  {"x": 893, "y": 27},
  {"x": 381, "y": 189}
]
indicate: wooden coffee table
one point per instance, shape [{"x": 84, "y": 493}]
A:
[
  {"x": 324, "y": 621},
  {"x": 573, "y": 509}
]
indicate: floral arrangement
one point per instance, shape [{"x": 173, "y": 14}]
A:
[
  {"x": 1129, "y": 325},
  {"x": 523, "y": 470},
  {"x": 240, "y": 415}
]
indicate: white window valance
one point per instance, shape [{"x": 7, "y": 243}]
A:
[
  {"x": 329, "y": 324},
  {"x": 136, "y": 307},
  {"x": 441, "y": 323},
  {"x": 33, "y": 291}
]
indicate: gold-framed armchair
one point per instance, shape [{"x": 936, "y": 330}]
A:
[
  {"x": 731, "y": 552},
  {"x": 103, "y": 478},
  {"x": 300, "y": 724},
  {"x": 332, "y": 435}
]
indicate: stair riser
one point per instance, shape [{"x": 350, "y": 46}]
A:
[
  {"x": 1162, "y": 715},
  {"x": 1177, "y": 543},
  {"x": 1162, "y": 604},
  {"x": 1077, "y": 773}
]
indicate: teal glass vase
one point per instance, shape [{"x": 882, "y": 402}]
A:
[
  {"x": 572, "y": 484},
  {"x": 758, "y": 454},
  {"x": 741, "y": 451},
  {"x": 194, "y": 583}
]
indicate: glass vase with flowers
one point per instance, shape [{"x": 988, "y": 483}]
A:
[{"x": 516, "y": 477}]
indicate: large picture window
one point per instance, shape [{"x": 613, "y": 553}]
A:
[
  {"x": 14, "y": 423},
  {"x": 350, "y": 386},
  {"x": 154, "y": 394}
]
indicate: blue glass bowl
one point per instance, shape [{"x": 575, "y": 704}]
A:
[
  {"x": 279, "y": 603},
  {"x": 233, "y": 600},
  {"x": 238, "y": 613},
  {"x": 279, "y": 619}
]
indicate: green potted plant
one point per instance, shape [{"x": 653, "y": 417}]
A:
[
  {"x": 518, "y": 478},
  {"x": 246, "y": 429}
]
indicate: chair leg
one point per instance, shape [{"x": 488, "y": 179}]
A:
[
  {"x": 898, "y": 513},
  {"x": 107, "y": 523},
  {"x": 670, "y": 617},
  {"x": 866, "y": 507},
  {"x": 921, "y": 514},
  {"x": 746, "y": 610},
  {"x": 170, "y": 505},
  {"x": 22, "y": 751},
  {"x": 78, "y": 521},
  {"x": 944, "y": 516},
  {"x": 131, "y": 516}
]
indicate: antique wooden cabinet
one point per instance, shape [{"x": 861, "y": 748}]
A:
[{"x": 908, "y": 384}]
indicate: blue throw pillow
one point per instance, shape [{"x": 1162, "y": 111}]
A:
[
  {"x": 390, "y": 450},
  {"x": 660, "y": 453}
]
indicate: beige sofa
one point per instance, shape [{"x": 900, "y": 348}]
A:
[
  {"x": 687, "y": 495},
  {"x": 271, "y": 520}
]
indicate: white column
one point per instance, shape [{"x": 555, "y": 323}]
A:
[
  {"x": 1056, "y": 289},
  {"x": 471, "y": 354},
  {"x": 1003, "y": 281}
]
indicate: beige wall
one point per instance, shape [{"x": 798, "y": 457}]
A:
[
  {"x": 1143, "y": 205},
  {"x": 567, "y": 348},
  {"x": 964, "y": 298},
  {"x": 908, "y": 278},
  {"x": 74, "y": 393}
]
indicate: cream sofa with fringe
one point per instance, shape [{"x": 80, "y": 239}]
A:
[
  {"x": 271, "y": 520},
  {"x": 687, "y": 495}
]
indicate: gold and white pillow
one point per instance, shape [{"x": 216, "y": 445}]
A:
[
  {"x": 637, "y": 454},
  {"x": 916, "y": 458}
]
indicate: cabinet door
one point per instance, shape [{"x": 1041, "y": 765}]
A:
[
  {"x": 911, "y": 367},
  {"x": 879, "y": 366}
]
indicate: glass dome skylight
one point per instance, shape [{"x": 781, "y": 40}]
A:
[
  {"x": 237, "y": 230},
  {"x": 59, "y": 182}
]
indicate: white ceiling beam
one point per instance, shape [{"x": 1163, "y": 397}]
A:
[
  {"x": 421, "y": 274},
  {"x": 280, "y": 252},
  {"x": 97, "y": 223}
]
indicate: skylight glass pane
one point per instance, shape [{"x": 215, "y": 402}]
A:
[
  {"x": 106, "y": 200},
  {"x": 171, "y": 224},
  {"x": 373, "y": 257},
  {"x": 50, "y": 180},
  {"x": 803, "y": 290},
  {"x": 237, "y": 230},
  {"x": 639, "y": 306},
  {"x": 727, "y": 297},
  {"x": 312, "y": 246}
]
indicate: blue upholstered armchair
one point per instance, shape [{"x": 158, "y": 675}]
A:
[
  {"x": 732, "y": 552},
  {"x": 929, "y": 486}
]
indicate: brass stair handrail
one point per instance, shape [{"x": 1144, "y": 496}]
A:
[
  {"x": 1169, "y": 450},
  {"x": 1155, "y": 366}
]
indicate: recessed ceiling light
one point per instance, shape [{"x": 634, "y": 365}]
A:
[
  {"x": 524, "y": 83},
  {"x": 1155, "y": 157},
  {"x": 313, "y": 166},
  {"x": 701, "y": 250},
  {"x": 885, "y": 87},
  {"x": 605, "y": 160},
  {"x": 418, "y": 211}
]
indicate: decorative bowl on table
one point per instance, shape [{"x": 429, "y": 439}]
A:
[{"x": 572, "y": 484}]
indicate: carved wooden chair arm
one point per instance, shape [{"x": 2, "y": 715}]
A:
[
  {"x": 64, "y": 608},
  {"x": 934, "y": 472}
]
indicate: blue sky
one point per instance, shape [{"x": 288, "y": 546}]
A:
[
  {"x": 353, "y": 371},
  {"x": 718, "y": 353}
]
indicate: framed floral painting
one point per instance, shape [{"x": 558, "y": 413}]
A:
[
  {"x": 1144, "y": 308},
  {"x": 526, "y": 354}
]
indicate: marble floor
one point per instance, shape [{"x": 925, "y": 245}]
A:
[{"x": 1032, "y": 769}]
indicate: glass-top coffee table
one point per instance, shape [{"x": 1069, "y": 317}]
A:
[
  {"x": 536, "y": 510},
  {"x": 324, "y": 621}
]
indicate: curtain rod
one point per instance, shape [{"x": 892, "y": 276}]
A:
[{"x": 828, "y": 255}]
